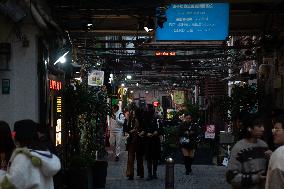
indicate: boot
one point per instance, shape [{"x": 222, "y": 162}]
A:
[
  {"x": 186, "y": 165},
  {"x": 190, "y": 161}
]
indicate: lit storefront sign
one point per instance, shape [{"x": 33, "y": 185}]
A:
[
  {"x": 160, "y": 53},
  {"x": 55, "y": 85},
  {"x": 58, "y": 132},
  {"x": 58, "y": 104}
]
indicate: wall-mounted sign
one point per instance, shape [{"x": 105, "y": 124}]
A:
[
  {"x": 210, "y": 131},
  {"x": 58, "y": 104},
  {"x": 96, "y": 78},
  {"x": 55, "y": 85},
  {"x": 178, "y": 97},
  {"x": 5, "y": 86},
  {"x": 196, "y": 21},
  {"x": 58, "y": 132}
]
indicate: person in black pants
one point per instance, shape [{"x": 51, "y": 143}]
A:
[{"x": 153, "y": 144}]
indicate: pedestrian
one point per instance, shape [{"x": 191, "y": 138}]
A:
[
  {"x": 31, "y": 165},
  {"x": 6, "y": 144},
  {"x": 134, "y": 145},
  {"x": 153, "y": 143},
  {"x": 275, "y": 172},
  {"x": 188, "y": 141},
  {"x": 116, "y": 131},
  {"x": 248, "y": 160}
]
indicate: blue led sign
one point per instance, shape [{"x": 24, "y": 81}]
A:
[{"x": 198, "y": 21}]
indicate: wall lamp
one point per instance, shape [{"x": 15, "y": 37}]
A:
[{"x": 62, "y": 59}]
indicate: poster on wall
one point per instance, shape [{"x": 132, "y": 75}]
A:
[
  {"x": 210, "y": 132},
  {"x": 178, "y": 97},
  {"x": 96, "y": 78}
]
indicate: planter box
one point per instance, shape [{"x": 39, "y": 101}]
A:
[{"x": 87, "y": 178}]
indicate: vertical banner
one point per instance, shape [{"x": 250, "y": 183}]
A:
[{"x": 96, "y": 78}]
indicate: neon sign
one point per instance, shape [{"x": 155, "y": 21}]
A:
[
  {"x": 165, "y": 53},
  {"x": 55, "y": 85},
  {"x": 58, "y": 104}
]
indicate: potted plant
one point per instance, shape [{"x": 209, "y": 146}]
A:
[{"x": 85, "y": 116}]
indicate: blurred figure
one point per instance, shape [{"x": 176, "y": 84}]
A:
[
  {"x": 116, "y": 130},
  {"x": 6, "y": 144},
  {"x": 248, "y": 161},
  {"x": 29, "y": 166},
  {"x": 188, "y": 141},
  {"x": 275, "y": 173},
  {"x": 153, "y": 143}
]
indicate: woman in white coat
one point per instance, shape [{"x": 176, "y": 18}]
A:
[{"x": 31, "y": 165}]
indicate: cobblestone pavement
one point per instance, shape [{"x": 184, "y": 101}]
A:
[{"x": 203, "y": 177}]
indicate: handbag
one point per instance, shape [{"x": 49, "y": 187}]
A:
[{"x": 184, "y": 140}]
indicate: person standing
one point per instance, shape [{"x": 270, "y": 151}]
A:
[
  {"x": 6, "y": 144},
  {"x": 248, "y": 160},
  {"x": 275, "y": 172},
  {"x": 153, "y": 143},
  {"x": 188, "y": 136},
  {"x": 116, "y": 131},
  {"x": 31, "y": 165},
  {"x": 134, "y": 145}
]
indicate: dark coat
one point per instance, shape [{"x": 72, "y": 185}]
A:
[
  {"x": 189, "y": 131},
  {"x": 153, "y": 144}
]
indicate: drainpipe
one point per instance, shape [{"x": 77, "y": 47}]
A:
[
  {"x": 37, "y": 17},
  {"x": 47, "y": 18},
  {"x": 40, "y": 16}
]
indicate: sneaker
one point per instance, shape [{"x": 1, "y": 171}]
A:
[
  {"x": 116, "y": 158},
  {"x": 130, "y": 178}
]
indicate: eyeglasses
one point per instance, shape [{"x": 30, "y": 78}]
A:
[{"x": 276, "y": 129}]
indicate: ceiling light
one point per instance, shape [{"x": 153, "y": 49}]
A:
[
  {"x": 128, "y": 77},
  {"x": 90, "y": 24},
  {"x": 122, "y": 84}
]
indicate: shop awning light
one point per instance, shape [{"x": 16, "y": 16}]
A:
[{"x": 62, "y": 59}]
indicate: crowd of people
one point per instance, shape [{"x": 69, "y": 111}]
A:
[
  {"x": 143, "y": 128},
  {"x": 27, "y": 160},
  {"x": 253, "y": 164}
]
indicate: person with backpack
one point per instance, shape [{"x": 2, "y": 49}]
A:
[{"x": 116, "y": 131}]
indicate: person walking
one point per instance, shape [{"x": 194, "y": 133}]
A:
[
  {"x": 248, "y": 160},
  {"x": 188, "y": 141},
  {"x": 275, "y": 172},
  {"x": 116, "y": 131},
  {"x": 6, "y": 144},
  {"x": 30, "y": 166}
]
